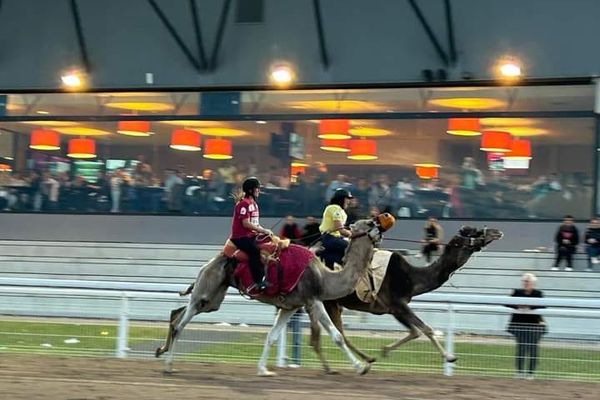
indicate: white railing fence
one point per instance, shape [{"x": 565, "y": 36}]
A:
[{"x": 129, "y": 320}]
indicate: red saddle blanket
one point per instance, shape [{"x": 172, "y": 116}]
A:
[{"x": 282, "y": 276}]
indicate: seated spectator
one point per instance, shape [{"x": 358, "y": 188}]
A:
[
  {"x": 567, "y": 239},
  {"x": 310, "y": 231},
  {"x": 290, "y": 230},
  {"x": 433, "y": 236},
  {"x": 592, "y": 242}
]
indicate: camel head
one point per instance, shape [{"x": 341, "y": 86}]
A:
[{"x": 472, "y": 239}]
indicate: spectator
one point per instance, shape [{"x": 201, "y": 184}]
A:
[
  {"x": 592, "y": 242},
  {"x": 50, "y": 190},
  {"x": 432, "y": 238},
  {"x": 339, "y": 183},
  {"x": 290, "y": 230},
  {"x": 471, "y": 175},
  {"x": 380, "y": 195},
  {"x": 527, "y": 328},
  {"x": 567, "y": 239},
  {"x": 310, "y": 231},
  {"x": 116, "y": 183}
]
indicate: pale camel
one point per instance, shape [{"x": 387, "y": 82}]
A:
[
  {"x": 401, "y": 283},
  {"x": 317, "y": 284}
]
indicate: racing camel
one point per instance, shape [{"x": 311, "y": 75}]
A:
[
  {"x": 401, "y": 282},
  {"x": 315, "y": 283}
]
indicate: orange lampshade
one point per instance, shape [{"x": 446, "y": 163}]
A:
[
  {"x": 337, "y": 145},
  {"x": 496, "y": 141},
  {"x": 5, "y": 168},
  {"x": 297, "y": 169},
  {"x": 520, "y": 150},
  {"x": 82, "y": 148},
  {"x": 334, "y": 129},
  {"x": 44, "y": 139},
  {"x": 134, "y": 128},
  {"x": 426, "y": 171},
  {"x": 464, "y": 127},
  {"x": 363, "y": 150},
  {"x": 217, "y": 149},
  {"x": 185, "y": 139}
]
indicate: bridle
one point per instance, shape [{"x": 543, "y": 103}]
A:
[{"x": 375, "y": 234}]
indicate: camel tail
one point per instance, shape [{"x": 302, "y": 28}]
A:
[{"x": 186, "y": 291}]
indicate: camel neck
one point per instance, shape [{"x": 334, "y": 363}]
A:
[
  {"x": 435, "y": 275},
  {"x": 341, "y": 283}
]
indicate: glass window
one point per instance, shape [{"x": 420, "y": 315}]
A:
[{"x": 524, "y": 153}]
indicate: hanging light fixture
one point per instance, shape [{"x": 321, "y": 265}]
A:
[
  {"x": 44, "y": 139},
  {"x": 510, "y": 163},
  {"x": 134, "y": 128},
  {"x": 464, "y": 127},
  {"x": 82, "y": 148},
  {"x": 336, "y": 145},
  {"x": 496, "y": 141},
  {"x": 520, "y": 150},
  {"x": 334, "y": 129},
  {"x": 185, "y": 139},
  {"x": 363, "y": 150},
  {"x": 297, "y": 169},
  {"x": 427, "y": 171},
  {"x": 217, "y": 149}
]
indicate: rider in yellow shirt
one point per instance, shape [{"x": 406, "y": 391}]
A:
[{"x": 333, "y": 228}]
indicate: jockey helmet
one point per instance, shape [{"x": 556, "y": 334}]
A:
[{"x": 249, "y": 185}]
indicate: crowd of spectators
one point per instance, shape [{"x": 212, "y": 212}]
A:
[{"x": 463, "y": 193}]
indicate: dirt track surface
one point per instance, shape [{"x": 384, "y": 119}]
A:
[{"x": 68, "y": 378}]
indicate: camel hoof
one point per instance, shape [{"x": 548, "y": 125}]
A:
[
  {"x": 331, "y": 372},
  {"x": 159, "y": 351},
  {"x": 371, "y": 360},
  {"x": 451, "y": 358},
  {"x": 266, "y": 373},
  {"x": 365, "y": 368}
]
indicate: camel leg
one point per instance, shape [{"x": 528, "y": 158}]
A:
[
  {"x": 187, "y": 316},
  {"x": 281, "y": 320},
  {"x": 416, "y": 323},
  {"x": 315, "y": 340},
  {"x": 412, "y": 334},
  {"x": 334, "y": 310},
  {"x": 175, "y": 314},
  {"x": 338, "y": 339}
]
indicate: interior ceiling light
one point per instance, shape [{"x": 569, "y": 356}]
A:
[
  {"x": 42, "y": 112},
  {"x": 14, "y": 107},
  {"x": 82, "y": 148},
  {"x": 191, "y": 123},
  {"x": 44, "y": 139},
  {"x": 338, "y": 146},
  {"x": 134, "y": 128},
  {"x": 334, "y": 129},
  {"x": 496, "y": 141},
  {"x": 50, "y": 123},
  {"x": 509, "y": 69},
  {"x": 469, "y": 103},
  {"x": 298, "y": 164},
  {"x": 427, "y": 171},
  {"x": 363, "y": 150},
  {"x": 520, "y": 150},
  {"x": 217, "y": 149},
  {"x": 335, "y": 105},
  {"x": 81, "y": 131},
  {"x": 185, "y": 139},
  {"x": 464, "y": 127},
  {"x": 140, "y": 106},
  {"x": 507, "y": 121},
  {"x": 522, "y": 130},
  {"x": 364, "y": 131},
  {"x": 222, "y": 132}
]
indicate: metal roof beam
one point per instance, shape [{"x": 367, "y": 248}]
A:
[
  {"x": 436, "y": 44},
  {"x": 83, "y": 51},
  {"x": 220, "y": 32},
  {"x": 198, "y": 34},
  {"x": 321, "y": 34}
]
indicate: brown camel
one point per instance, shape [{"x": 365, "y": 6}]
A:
[
  {"x": 317, "y": 284},
  {"x": 401, "y": 283}
]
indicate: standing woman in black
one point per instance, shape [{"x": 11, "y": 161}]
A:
[{"x": 527, "y": 328}]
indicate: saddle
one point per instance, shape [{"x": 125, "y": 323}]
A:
[{"x": 284, "y": 263}]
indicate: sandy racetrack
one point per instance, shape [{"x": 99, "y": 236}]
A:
[{"x": 73, "y": 378}]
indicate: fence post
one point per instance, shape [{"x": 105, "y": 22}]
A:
[
  {"x": 123, "y": 330},
  {"x": 448, "y": 366}
]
